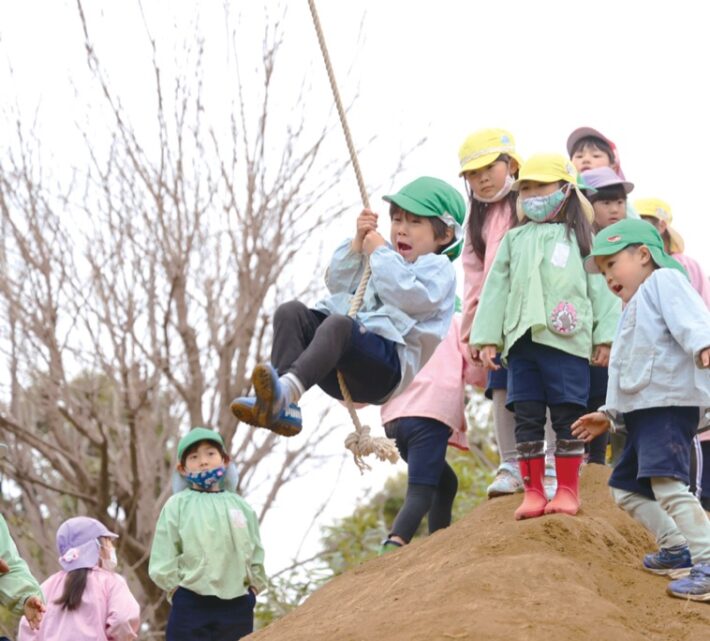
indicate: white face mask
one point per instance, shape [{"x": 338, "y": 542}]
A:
[
  {"x": 111, "y": 562},
  {"x": 504, "y": 191}
]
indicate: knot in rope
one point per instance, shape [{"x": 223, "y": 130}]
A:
[{"x": 361, "y": 444}]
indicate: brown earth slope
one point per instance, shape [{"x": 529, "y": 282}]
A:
[{"x": 556, "y": 578}]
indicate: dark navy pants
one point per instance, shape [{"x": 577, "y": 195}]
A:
[
  {"x": 314, "y": 347},
  {"x": 432, "y": 484},
  {"x": 545, "y": 374},
  {"x": 658, "y": 441},
  {"x": 196, "y": 617},
  {"x": 497, "y": 378}
]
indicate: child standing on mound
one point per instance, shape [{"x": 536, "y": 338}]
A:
[
  {"x": 608, "y": 194},
  {"x": 405, "y": 313},
  {"x": 658, "y": 213},
  {"x": 489, "y": 165},
  {"x": 423, "y": 420},
  {"x": 207, "y": 552},
  {"x": 658, "y": 379},
  {"x": 548, "y": 318},
  {"x": 87, "y": 600}
]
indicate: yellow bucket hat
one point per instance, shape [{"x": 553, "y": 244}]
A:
[
  {"x": 661, "y": 210},
  {"x": 547, "y": 168},
  {"x": 550, "y": 168},
  {"x": 482, "y": 148}
]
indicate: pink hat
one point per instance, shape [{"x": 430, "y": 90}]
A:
[
  {"x": 78, "y": 544},
  {"x": 585, "y": 132},
  {"x": 604, "y": 177}
]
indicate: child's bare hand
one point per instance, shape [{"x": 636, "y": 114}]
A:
[
  {"x": 600, "y": 358},
  {"x": 475, "y": 356},
  {"x": 371, "y": 242},
  {"x": 34, "y": 609},
  {"x": 366, "y": 222},
  {"x": 4, "y": 567},
  {"x": 487, "y": 355},
  {"x": 590, "y": 426},
  {"x": 704, "y": 357}
]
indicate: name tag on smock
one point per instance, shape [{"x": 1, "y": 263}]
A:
[{"x": 560, "y": 255}]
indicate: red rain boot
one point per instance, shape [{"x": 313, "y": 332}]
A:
[
  {"x": 568, "y": 459},
  {"x": 531, "y": 459}
]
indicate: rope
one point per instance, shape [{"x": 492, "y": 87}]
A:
[{"x": 359, "y": 442}]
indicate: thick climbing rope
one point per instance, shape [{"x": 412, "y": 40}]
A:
[{"x": 360, "y": 442}]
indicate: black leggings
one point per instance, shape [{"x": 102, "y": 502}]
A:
[
  {"x": 596, "y": 448},
  {"x": 313, "y": 345},
  {"x": 422, "y": 499},
  {"x": 530, "y": 417}
]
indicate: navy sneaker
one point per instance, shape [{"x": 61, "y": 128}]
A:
[
  {"x": 694, "y": 587},
  {"x": 269, "y": 395},
  {"x": 287, "y": 423},
  {"x": 674, "y": 562}
]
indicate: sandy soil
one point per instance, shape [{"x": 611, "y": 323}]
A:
[{"x": 488, "y": 577}]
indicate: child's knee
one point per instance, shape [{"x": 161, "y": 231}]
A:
[
  {"x": 623, "y": 498},
  {"x": 287, "y": 312},
  {"x": 338, "y": 328},
  {"x": 448, "y": 483},
  {"x": 666, "y": 488}
]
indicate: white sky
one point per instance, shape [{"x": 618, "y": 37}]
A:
[{"x": 637, "y": 71}]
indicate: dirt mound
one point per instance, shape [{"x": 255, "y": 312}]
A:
[{"x": 488, "y": 577}]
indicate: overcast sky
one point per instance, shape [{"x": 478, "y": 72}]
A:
[{"x": 637, "y": 71}]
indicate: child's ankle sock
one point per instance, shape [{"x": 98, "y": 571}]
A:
[{"x": 292, "y": 388}]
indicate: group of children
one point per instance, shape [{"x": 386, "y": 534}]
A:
[
  {"x": 584, "y": 312},
  {"x": 546, "y": 314},
  {"x": 206, "y": 554}
]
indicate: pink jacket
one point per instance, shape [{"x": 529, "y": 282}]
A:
[
  {"x": 698, "y": 278},
  {"x": 701, "y": 284},
  {"x": 108, "y": 611},
  {"x": 475, "y": 270},
  {"x": 437, "y": 391}
]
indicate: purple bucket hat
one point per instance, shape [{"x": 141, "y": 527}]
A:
[
  {"x": 604, "y": 177},
  {"x": 77, "y": 542}
]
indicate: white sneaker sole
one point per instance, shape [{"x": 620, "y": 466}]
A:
[{"x": 677, "y": 573}]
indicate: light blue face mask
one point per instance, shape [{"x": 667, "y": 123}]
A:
[{"x": 540, "y": 209}]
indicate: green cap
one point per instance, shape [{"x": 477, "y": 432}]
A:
[
  {"x": 434, "y": 198},
  {"x": 630, "y": 231},
  {"x": 195, "y": 435}
]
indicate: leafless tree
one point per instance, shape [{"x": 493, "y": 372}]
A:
[{"x": 136, "y": 296}]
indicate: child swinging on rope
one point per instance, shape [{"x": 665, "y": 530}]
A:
[{"x": 405, "y": 313}]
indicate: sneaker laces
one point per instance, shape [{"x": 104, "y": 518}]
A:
[{"x": 700, "y": 570}]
